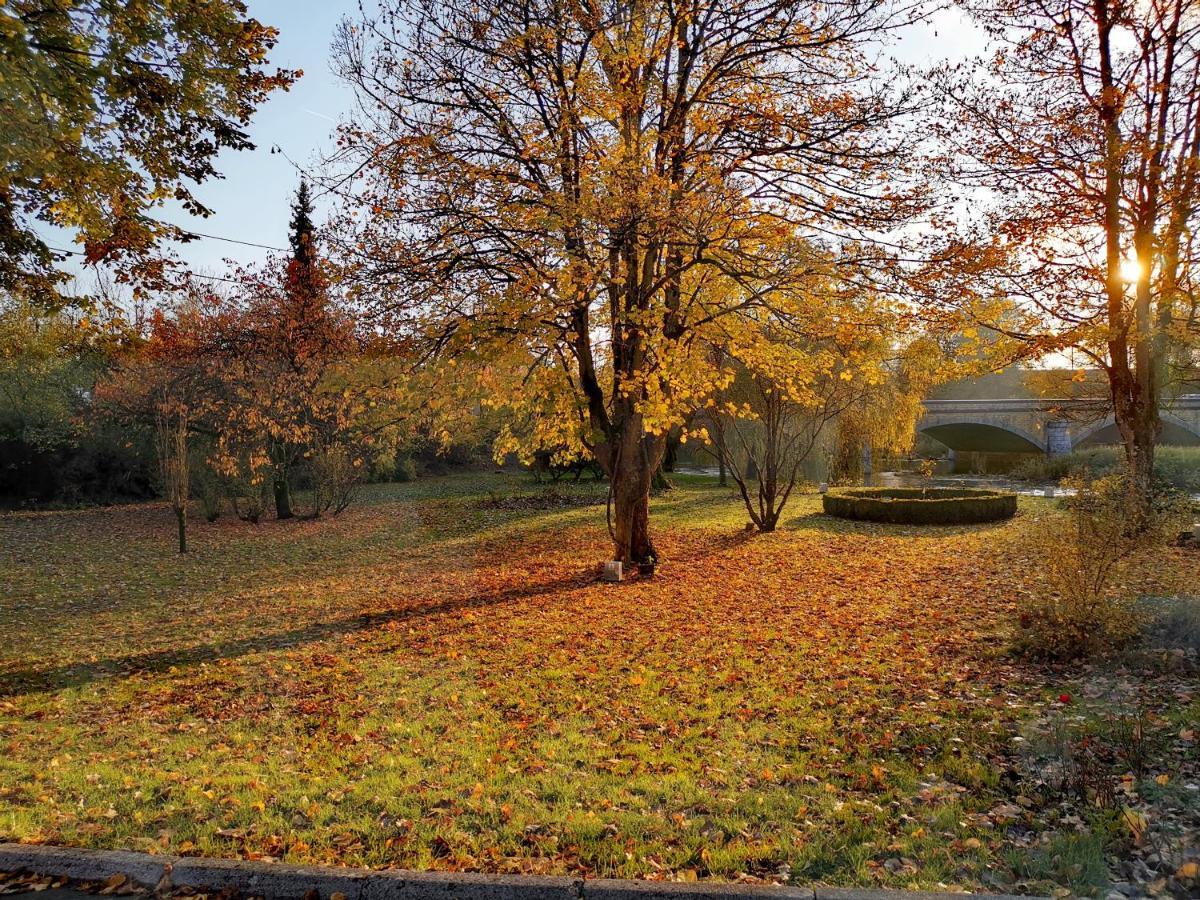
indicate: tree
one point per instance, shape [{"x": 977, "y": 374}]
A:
[
  {"x": 303, "y": 315},
  {"x": 111, "y": 109},
  {"x": 795, "y": 380},
  {"x": 171, "y": 443},
  {"x": 1083, "y": 130},
  {"x": 581, "y": 194}
]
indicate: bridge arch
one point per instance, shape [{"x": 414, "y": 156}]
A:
[
  {"x": 976, "y": 435},
  {"x": 1175, "y": 431}
]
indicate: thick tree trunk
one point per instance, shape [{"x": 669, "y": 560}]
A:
[
  {"x": 631, "y": 523},
  {"x": 283, "y": 498},
  {"x": 631, "y": 465},
  {"x": 281, "y": 484},
  {"x": 181, "y": 521},
  {"x": 722, "y": 478}
]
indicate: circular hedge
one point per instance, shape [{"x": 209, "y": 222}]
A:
[{"x": 914, "y": 506}]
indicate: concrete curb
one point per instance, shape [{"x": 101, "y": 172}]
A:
[{"x": 279, "y": 881}]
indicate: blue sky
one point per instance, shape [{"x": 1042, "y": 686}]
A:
[{"x": 251, "y": 203}]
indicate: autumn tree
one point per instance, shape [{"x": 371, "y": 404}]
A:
[
  {"x": 111, "y": 109},
  {"x": 171, "y": 444},
  {"x": 1079, "y": 138},
  {"x": 793, "y": 377},
  {"x": 582, "y": 193},
  {"x": 167, "y": 384}
]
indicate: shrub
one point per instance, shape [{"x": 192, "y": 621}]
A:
[
  {"x": 914, "y": 506},
  {"x": 250, "y": 495},
  {"x": 1085, "y": 610},
  {"x": 405, "y": 469},
  {"x": 1040, "y": 467},
  {"x": 335, "y": 477},
  {"x": 1171, "y": 623},
  {"x": 208, "y": 488}
]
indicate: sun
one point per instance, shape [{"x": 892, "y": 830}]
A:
[{"x": 1131, "y": 270}]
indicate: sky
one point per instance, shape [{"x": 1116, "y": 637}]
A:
[
  {"x": 292, "y": 129},
  {"x": 251, "y": 202}
]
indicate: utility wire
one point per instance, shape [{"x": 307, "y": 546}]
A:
[{"x": 217, "y": 237}]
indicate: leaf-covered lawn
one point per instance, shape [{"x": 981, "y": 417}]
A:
[{"x": 435, "y": 680}]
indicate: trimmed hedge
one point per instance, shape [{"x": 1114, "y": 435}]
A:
[{"x": 913, "y": 506}]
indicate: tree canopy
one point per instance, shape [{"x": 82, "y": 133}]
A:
[
  {"x": 112, "y": 108},
  {"x": 589, "y": 197}
]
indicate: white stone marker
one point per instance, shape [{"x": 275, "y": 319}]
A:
[
  {"x": 823, "y": 487},
  {"x": 1049, "y": 492},
  {"x": 612, "y": 571}
]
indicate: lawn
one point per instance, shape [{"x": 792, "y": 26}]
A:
[{"x": 436, "y": 679}]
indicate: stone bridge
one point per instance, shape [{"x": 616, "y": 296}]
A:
[{"x": 1044, "y": 426}]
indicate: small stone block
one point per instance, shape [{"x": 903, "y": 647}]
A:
[
  {"x": 613, "y": 570},
  {"x": 1049, "y": 492},
  {"x": 823, "y": 487}
]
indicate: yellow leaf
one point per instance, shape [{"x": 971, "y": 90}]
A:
[{"x": 1136, "y": 823}]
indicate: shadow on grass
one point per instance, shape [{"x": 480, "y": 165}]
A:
[{"x": 20, "y": 683}]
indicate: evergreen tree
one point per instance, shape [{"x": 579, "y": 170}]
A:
[{"x": 304, "y": 318}]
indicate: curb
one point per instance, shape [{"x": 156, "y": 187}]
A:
[{"x": 281, "y": 881}]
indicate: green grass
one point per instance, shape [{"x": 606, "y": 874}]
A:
[{"x": 429, "y": 681}]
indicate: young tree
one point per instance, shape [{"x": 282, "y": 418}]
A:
[
  {"x": 109, "y": 110},
  {"x": 581, "y": 193},
  {"x": 171, "y": 444},
  {"x": 763, "y": 431},
  {"x": 1083, "y": 131},
  {"x": 791, "y": 385}
]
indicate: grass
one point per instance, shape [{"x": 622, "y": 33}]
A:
[{"x": 432, "y": 681}]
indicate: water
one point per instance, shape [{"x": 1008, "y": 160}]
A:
[
  {"x": 912, "y": 479},
  {"x": 994, "y": 482}
]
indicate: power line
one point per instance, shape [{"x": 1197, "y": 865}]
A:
[{"x": 228, "y": 240}]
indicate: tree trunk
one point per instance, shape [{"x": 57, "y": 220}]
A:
[
  {"x": 181, "y": 521},
  {"x": 671, "y": 453},
  {"x": 722, "y": 479},
  {"x": 283, "y": 498},
  {"x": 631, "y": 525},
  {"x": 631, "y": 469},
  {"x": 281, "y": 484}
]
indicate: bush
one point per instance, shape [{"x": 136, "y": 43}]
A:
[
  {"x": 1171, "y": 623},
  {"x": 335, "y": 476},
  {"x": 1085, "y": 610},
  {"x": 914, "y": 506},
  {"x": 1098, "y": 460},
  {"x": 404, "y": 470},
  {"x": 250, "y": 496},
  {"x": 208, "y": 488}
]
